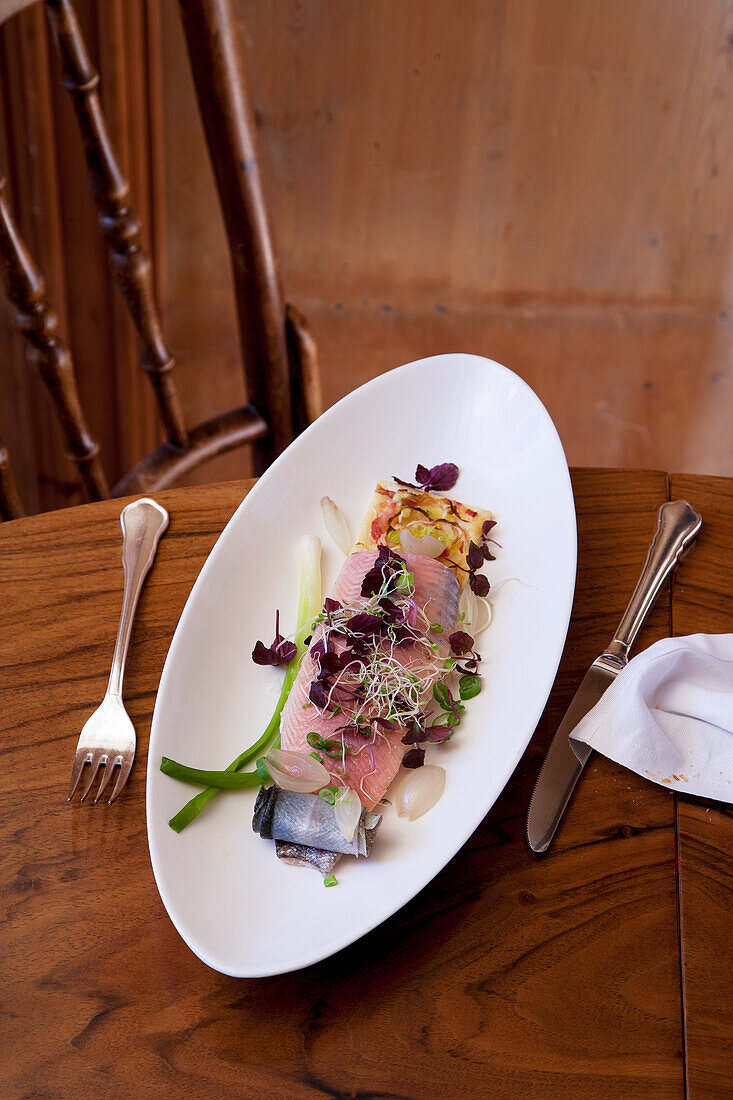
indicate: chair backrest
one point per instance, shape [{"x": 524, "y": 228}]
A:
[{"x": 278, "y": 352}]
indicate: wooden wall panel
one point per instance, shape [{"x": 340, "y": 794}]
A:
[
  {"x": 548, "y": 182},
  {"x": 542, "y": 181}
]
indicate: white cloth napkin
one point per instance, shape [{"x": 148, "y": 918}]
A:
[{"x": 669, "y": 716}]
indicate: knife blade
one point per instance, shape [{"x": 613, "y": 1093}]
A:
[{"x": 678, "y": 523}]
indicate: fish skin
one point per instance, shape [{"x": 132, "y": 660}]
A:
[
  {"x": 307, "y": 821},
  {"x": 305, "y": 855},
  {"x": 370, "y": 769}
]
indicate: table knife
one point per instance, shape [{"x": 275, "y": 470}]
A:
[{"x": 677, "y": 526}]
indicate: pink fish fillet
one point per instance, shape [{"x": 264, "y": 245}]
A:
[{"x": 370, "y": 767}]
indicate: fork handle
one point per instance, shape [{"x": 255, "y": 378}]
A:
[{"x": 143, "y": 523}]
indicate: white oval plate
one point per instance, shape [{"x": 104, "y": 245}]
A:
[{"x": 241, "y": 910}]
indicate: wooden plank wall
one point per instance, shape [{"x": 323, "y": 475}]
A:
[{"x": 548, "y": 182}]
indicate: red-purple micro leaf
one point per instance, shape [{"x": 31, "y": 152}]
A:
[
  {"x": 475, "y": 556},
  {"x": 280, "y": 652},
  {"x": 461, "y": 642},
  {"x": 438, "y": 478},
  {"x": 263, "y": 655},
  {"x": 317, "y": 694},
  {"x": 479, "y": 584},
  {"x": 330, "y": 662},
  {"x": 437, "y": 734},
  {"x": 365, "y": 623},
  {"x": 414, "y": 735},
  {"x": 415, "y": 758}
]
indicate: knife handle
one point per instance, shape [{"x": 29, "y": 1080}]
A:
[{"x": 677, "y": 525}]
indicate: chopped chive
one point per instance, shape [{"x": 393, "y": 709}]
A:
[
  {"x": 469, "y": 686},
  {"x": 330, "y": 880},
  {"x": 328, "y": 794},
  {"x": 317, "y": 756},
  {"x": 329, "y": 747},
  {"x": 261, "y": 767}
]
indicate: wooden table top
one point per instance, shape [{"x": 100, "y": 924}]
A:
[{"x": 601, "y": 969}]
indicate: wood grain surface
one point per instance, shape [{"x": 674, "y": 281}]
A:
[
  {"x": 508, "y": 976},
  {"x": 703, "y": 603}
]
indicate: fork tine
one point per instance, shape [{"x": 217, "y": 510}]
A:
[
  {"x": 109, "y": 767},
  {"x": 122, "y": 778},
  {"x": 102, "y": 758},
  {"x": 80, "y": 759}
]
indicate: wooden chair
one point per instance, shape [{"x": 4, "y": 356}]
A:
[{"x": 278, "y": 352}]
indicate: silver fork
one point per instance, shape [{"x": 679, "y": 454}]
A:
[{"x": 108, "y": 736}]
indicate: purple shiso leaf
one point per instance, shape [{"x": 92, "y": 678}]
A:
[
  {"x": 263, "y": 655},
  {"x": 415, "y": 758},
  {"x": 365, "y": 623},
  {"x": 414, "y": 735},
  {"x": 330, "y": 605},
  {"x": 438, "y": 478},
  {"x": 488, "y": 525},
  {"x": 387, "y": 556},
  {"x": 386, "y": 564},
  {"x": 475, "y": 556},
  {"x": 419, "y": 733},
  {"x": 317, "y": 694},
  {"x": 392, "y": 613},
  {"x": 437, "y": 734},
  {"x": 280, "y": 652},
  {"x": 461, "y": 642},
  {"x": 330, "y": 662},
  {"x": 373, "y": 581},
  {"x": 479, "y": 584},
  {"x": 287, "y": 651}
]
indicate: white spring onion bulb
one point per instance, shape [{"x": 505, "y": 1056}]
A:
[
  {"x": 427, "y": 545},
  {"x": 419, "y": 791},
  {"x": 347, "y": 812},
  {"x": 336, "y": 525},
  {"x": 296, "y": 771}
]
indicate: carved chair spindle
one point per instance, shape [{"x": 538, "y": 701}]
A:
[{"x": 278, "y": 351}]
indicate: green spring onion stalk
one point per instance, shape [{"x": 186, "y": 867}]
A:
[
  {"x": 226, "y": 779},
  {"x": 309, "y": 606}
]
